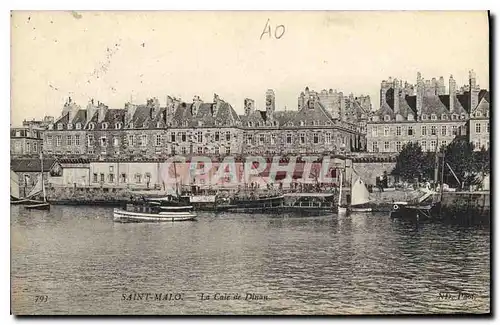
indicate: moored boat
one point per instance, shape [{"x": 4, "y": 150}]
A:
[{"x": 155, "y": 209}]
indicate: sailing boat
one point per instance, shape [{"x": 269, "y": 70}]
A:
[
  {"x": 359, "y": 197},
  {"x": 39, "y": 205},
  {"x": 341, "y": 209}
]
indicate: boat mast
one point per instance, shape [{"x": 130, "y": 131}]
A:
[
  {"x": 176, "y": 183},
  {"x": 43, "y": 182},
  {"x": 340, "y": 188}
]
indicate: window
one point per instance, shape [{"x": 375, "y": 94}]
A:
[
  {"x": 454, "y": 117},
  {"x": 78, "y": 126},
  {"x": 34, "y": 147},
  {"x": 462, "y": 117},
  {"x": 158, "y": 140},
  {"x": 183, "y": 150},
  {"x": 249, "y": 139},
  {"x": 138, "y": 178},
  {"x": 58, "y": 140},
  {"x": 444, "y": 143},
  {"x": 374, "y": 131},
  {"x": 386, "y": 131},
  {"x": 443, "y": 129},
  {"x": 77, "y": 140},
  {"x": 433, "y": 145},
  {"x": 328, "y": 138},
  {"x": 410, "y": 130},
  {"x": 488, "y": 127},
  {"x": 102, "y": 177},
  {"x": 302, "y": 138},
  {"x": 424, "y": 116},
  {"x": 454, "y": 130},
  {"x": 49, "y": 140},
  {"x": 59, "y": 126},
  {"x": 302, "y": 123},
  {"x": 398, "y": 146},
  {"x": 123, "y": 178},
  {"x": 398, "y": 130},
  {"x": 118, "y": 125},
  {"x": 478, "y": 127},
  {"x": 70, "y": 126},
  {"x": 69, "y": 140},
  {"x": 200, "y": 150},
  {"x": 433, "y": 117},
  {"x": 410, "y": 117},
  {"x": 228, "y": 136},
  {"x": 216, "y": 135},
  {"x": 199, "y": 136},
  {"x": 433, "y": 130},
  {"x": 228, "y": 150},
  {"x": 104, "y": 141},
  {"x": 375, "y": 146},
  {"x": 94, "y": 179},
  {"x": 90, "y": 140},
  {"x": 116, "y": 142},
  {"x": 91, "y": 126},
  {"x": 261, "y": 139},
  {"x": 387, "y": 118},
  {"x": 288, "y": 138},
  {"x": 315, "y": 138},
  {"x": 478, "y": 114},
  {"x": 273, "y": 138},
  {"x": 143, "y": 140},
  {"x": 104, "y": 126},
  {"x": 130, "y": 140},
  {"x": 386, "y": 146},
  {"x": 444, "y": 117},
  {"x": 423, "y": 144},
  {"x": 111, "y": 178}
]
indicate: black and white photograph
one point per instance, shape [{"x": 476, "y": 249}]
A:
[{"x": 250, "y": 163}]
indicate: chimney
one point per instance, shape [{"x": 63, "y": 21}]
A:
[
  {"x": 474, "y": 90},
  {"x": 342, "y": 106},
  {"x": 216, "y": 105},
  {"x": 441, "y": 88},
  {"x": 91, "y": 110},
  {"x": 249, "y": 105},
  {"x": 129, "y": 113},
  {"x": 383, "y": 91},
  {"x": 196, "y": 105},
  {"x": 453, "y": 91},
  {"x": 101, "y": 112},
  {"x": 270, "y": 102},
  {"x": 396, "y": 96},
  {"x": 420, "y": 94}
]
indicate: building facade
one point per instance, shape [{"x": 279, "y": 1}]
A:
[
  {"x": 26, "y": 141},
  {"x": 479, "y": 123},
  {"x": 196, "y": 128},
  {"x": 421, "y": 113}
]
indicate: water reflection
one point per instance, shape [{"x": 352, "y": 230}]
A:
[{"x": 361, "y": 263}]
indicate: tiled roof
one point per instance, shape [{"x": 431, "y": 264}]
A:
[
  {"x": 30, "y": 165},
  {"x": 80, "y": 117}
]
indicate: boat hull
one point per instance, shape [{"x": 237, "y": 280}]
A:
[
  {"x": 120, "y": 215},
  {"x": 38, "y": 206},
  {"x": 361, "y": 209}
]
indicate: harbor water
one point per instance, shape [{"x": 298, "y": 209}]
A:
[{"x": 76, "y": 260}]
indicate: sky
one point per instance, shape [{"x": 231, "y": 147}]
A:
[{"x": 115, "y": 57}]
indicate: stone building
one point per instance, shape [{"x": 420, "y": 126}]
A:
[
  {"x": 197, "y": 128},
  {"x": 26, "y": 141},
  {"x": 421, "y": 113},
  {"x": 310, "y": 129},
  {"x": 479, "y": 123}
]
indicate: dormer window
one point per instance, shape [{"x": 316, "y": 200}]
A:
[
  {"x": 399, "y": 117},
  {"x": 91, "y": 126},
  {"x": 274, "y": 123},
  {"x": 463, "y": 117},
  {"x": 249, "y": 123},
  {"x": 387, "y": 118},
  {"x": 70, "y": 126},
  {"x": 302, "y": 123},
  {"x": 185, "y": 123},
  {"x": 118, "y": 125},
  {"x": 433, "y": 117},
  {"x": 51, "y": 126},
  {"x": 444, "y": 117},
  {"x": 131, "y": 125},
  {"x": 78, "y": 126},
  {"x": 478, "y": 114},
  {"x": 158, "y": 125},
  {"x": 487, "y": 114},
  {"x": 59, "y": 126},
  {"x": 104, "y": 125},
  {"x": 410, "y": 117},
  {"x": 200, "y": 123},
  {"x": 424, "y": 117}
]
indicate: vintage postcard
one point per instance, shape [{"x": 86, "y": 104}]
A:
[{"x": 250, "y": 163}]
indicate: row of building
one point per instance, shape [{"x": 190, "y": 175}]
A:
[{"x": 325, "y": 122}]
